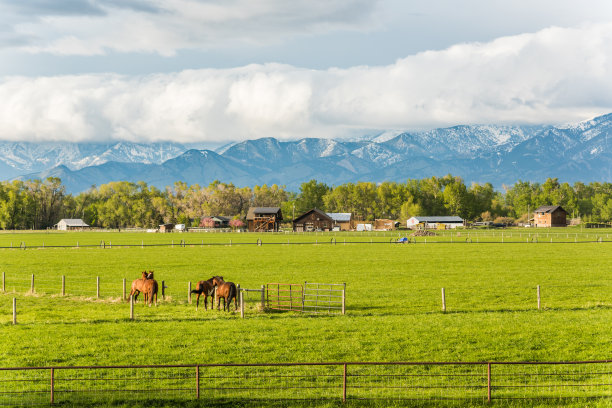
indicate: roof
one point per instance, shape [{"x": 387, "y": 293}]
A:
[
  {"x": 340, "y": 217},
  {"x": 439, "y": 218},
  {"x": 73, "y": 222},
  {"x": 253, "y": 211},
  {"x": 549, "y": 209},
  {"x": 220, "y": 218},
  {"x": 315, "y": 210}
]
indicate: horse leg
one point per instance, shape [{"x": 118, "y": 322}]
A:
[{"x": 197, "y": 301}]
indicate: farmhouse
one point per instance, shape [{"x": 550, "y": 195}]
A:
[
  {"x": 220, "y": 221},
  {"x": 66, "y": 224},
  {"x": 341, "y": 221},
  {"x": 313, "y": 220},
  {"x": 264, "y": 219},
  {"x": 435, "y": 222},
  {"x": 550, "y": 216}
]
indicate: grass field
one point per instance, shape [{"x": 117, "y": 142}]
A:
[{"x": 393, "y": 298}]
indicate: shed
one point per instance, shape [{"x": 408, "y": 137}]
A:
[
  {"x": 264, "y": 219},
  {"x": 550, "y": 216},
  {"x": 166, "y": 227},
  {"x": 385, "y": 224},
  {"x": 435, "y": 222},
  {"x": 221, "y": 221},
  {"x": 66, "y": 224},
  {"x": 341, "y": 221},
  {"x": 313, "y": 220}
]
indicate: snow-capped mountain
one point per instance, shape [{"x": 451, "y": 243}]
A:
[{"x": 495, "y": 154}]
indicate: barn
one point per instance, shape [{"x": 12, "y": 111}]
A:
[
  {"x": 166, "y": 227},
  {"x": 221, "y": 221},
  {"x": 264, "y": 219},
  {"x": 341, "y": 221},
  {"x": 66, "y": 224},
  {"x": 550, "y": 216},
  {"x": 382, "y": 224},
  {"x": 313, "y": 220},
  {"x": 435, "y": 222}
]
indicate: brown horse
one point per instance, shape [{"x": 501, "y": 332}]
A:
[
  {"x": 227, "y": 291},
  {"x": 206, "y": 288},
  {"x": 137, "y": 286},
  {"x": 150, "y": 289}
]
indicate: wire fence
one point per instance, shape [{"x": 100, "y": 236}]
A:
[{"x": 288, "y": 383}]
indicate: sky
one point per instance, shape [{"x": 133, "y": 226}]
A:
[{"x": 212, "y": 71}]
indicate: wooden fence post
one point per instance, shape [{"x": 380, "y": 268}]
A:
[
  {"x": 163, "y": 290},
  {"x": 63, "y": 285},
  {"x": 189, "y": 292},
  {"x": 52, "y": 386},
  {"x": 241, "y": 304},
  {"x": 344, "y": 299},
  {"x": 443, "y": 301},
  {"x": 489, "y": 382},
  {"x": 131, "y": 307},
  {"x": 3, "y": 282},
  {"x": 538, "y": 297},
  {"x": 197, "y": 381},
  {"x": 32, "y": 284},
  {"x": 344, "y": 384},
  {"x": 97, "y": 287},
  {"x": 263, "y": 297},
  {"x": 123, "y": 297},
  {"x": 14, "y": 310}
]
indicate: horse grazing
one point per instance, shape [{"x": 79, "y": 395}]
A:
[
  {"x": 150, "y": 289},
  {"x": 206, "y": 288},
  {"x": 227, "y": 291},
  {"x": 137, "y": 286}
]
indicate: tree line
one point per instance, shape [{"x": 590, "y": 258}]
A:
[{"x": 40, "y": 204}]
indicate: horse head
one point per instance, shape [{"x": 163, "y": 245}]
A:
[
  {"x": 144, "y": 275},
  {"x": 217, "y": 280},
  {"x": 150, "y": 275}
]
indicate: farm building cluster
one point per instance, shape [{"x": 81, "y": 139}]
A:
[{"x": 269, "y": 219}]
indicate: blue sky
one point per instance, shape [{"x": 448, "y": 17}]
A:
[{"x": 214, "y": 71}]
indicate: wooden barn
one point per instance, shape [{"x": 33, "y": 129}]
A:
[
  {"x": 313, "y": 220},
  {"x": 264, "y": 219},
  {"x": 550, "y": 216},
  {"x": 342, "y": 221}
]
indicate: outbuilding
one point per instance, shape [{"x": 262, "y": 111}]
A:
[
  {"x": 67, "y": 224},
  {"x": 341, "y": 221},
  {"x": 550, "y": 216},
  {"x": 264, "y": 219},
  {"x": 313, "y": 220},
  {"x": 435, "y": 222}
]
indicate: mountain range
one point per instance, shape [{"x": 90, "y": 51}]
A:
[{"x": 492, "y": 153}]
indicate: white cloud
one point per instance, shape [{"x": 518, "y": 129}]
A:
[
  {"x": 165, "y": 26},
  {"x": 556, "y": 75}
]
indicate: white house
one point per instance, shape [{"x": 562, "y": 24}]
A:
[
  {"x": 449, "y": 221},
  {"x": 66, "y": 224}
]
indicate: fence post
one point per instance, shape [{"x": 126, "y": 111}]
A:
[
  {"x": 63, "y": 285},
  {"x": 443, "y": 301},
  {"x": 131, "y": 307},
  {"x": 97, "y": 287},
  {"x": 538, "y": 297},
  {"x": 344, "y": 299},
  {"x": 197, "y": 381},
  {"x": 52, "y": 385},
  {"x": 14, "y": 310},
  {"x": 263, "y": 297},
  {"x": 3, "y": 282},
  {"x": 241, "y": 304},
  {"x": 32, "y": 284},
  {"x": 189, "y": 292},
  {"x": 163, "y": 290},
  {"x": 123, "y": 298},
  {"x": 488, "y": 382},
  {"x": 344, "y": 384}
]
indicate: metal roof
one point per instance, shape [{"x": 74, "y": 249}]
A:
[
  {"x": 548, "y": 209},
  {"x": 340, "y": 217},
  {"x": 253, "y": 211},
  {"x": 73, "y": 222},
  {"x": 439, "y": 218}
]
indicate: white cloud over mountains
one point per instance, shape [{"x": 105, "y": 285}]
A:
[{"x": 551, "y": 76}]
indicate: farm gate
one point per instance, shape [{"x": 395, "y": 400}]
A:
[
  {"x": 309, "y": 297},
  {"x": 288, "y": 383}
]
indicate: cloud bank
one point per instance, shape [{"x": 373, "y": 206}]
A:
[{"x": 552, "y": 76}]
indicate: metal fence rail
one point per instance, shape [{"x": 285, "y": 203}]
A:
[
  {"x": 324, "y": 297},
  {"x": 437, "y": 382},
  {"x": 284, "y": 296}
]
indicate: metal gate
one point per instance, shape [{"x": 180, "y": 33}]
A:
[
  {"x": 284, "y": 296},
  {"x": 324, "y": 297}
]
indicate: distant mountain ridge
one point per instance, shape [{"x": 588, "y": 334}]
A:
[{"x": 496, "y": 154}]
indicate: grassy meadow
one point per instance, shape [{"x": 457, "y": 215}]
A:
[{"x": 393, "y": 298}]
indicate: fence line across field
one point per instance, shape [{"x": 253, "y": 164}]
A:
[
  {"x": 432, "y": 382},
  {"x": 467, "y": 238}
]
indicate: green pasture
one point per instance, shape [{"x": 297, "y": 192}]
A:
[{"x": 393, "y": 298}]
